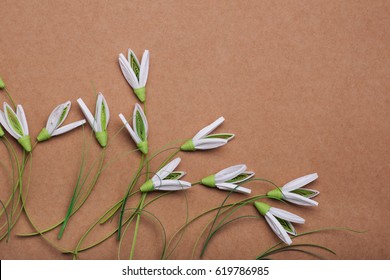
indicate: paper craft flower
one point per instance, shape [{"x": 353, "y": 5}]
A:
[
  {"x": 205, "y": 141},
  {"x": 140, "y": 125},
  {"x": 279, "y": 220},
  {"x": 16, "y": 125},
  {"x": 166, "y": 179},
  {"x": 102, "y": 117},
  {"x": 136, "y": 74},
  {"x": 293, "y": 192},
  {"x": 56, "y": 118},
  {"x": 229, "y": 178}
]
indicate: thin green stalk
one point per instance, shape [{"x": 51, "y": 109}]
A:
[
  {"x": 136, "y": 226},
  {"x": 10, "y": 97}
]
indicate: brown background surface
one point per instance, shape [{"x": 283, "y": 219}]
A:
[{"x": 304, "y": 85}]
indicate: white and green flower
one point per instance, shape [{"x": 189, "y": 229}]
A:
[
  {"x": 135, "y": 73},
  {"x": 294, "y": 193},
  {"x": 203, "y": 140},
  {"x": 140, "y": 126},
  {"x": 16, "y": 125},
  {"x": 229, "y": 179},
  {"x": 102, "y": 117},
  {"x": 279, "y": 221},
  {"x": 56, "y": 118},
  {"x": 166, "y": 179}
]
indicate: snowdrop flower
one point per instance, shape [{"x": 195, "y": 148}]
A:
[
  {"x": 205, "y": 141},
  {"x": 279, "y": 220},
  {"x": 140, "y": 125},
  {"x": 166, "y": 179},
  {"x": 56, "y": 118},
  {"x": 293, "y": 193},
  {"x": 102, "y": 117},
  {"x": 136, "y": 74},
  {"x": 16, "y": 125},
  {"x": 228, "y": 179}
]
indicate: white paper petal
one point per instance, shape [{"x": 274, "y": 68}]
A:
[
  {"x": 87, "y": 114},
  {"x": 300, "y": 182},
  {"x": 4, "y": 123},
  {"x": 298, "y": 199},
  {"x": 68, "y": 127},
  {"x": 207, "y": 144},
  {"x": 172, "y": 185},
  {"x": 127, "y": 72},
  {"x": 229, "y": 173},
  {"x": 22, "y": 118},
  {"x": 277, "y": 228},
  {"x": 206, "y": 130},
  {"x": 285, "y": 215},
  {"x": 165, "y": 171},
  {"x": 230, "y": 187},
  {"x": 143, "y": 74},
  {"x": 138, "y": 108},
  {"x": 133, "y": 135},
  {"x": 52, "y": 121},
  {"x": 98, "y": 108}
]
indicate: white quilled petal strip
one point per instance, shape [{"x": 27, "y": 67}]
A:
[
  {"x": 233, "y": 187},
  {"x": 229, "y": 173},
  {"x": 143, "y": 75},
  {"x": 166, "y": 170},
  {"x": 68, "y": 127},
  {"x": 129, "y": 129},
  {"x": 242, "y": 177},
  {"x": 127, "y": 72},
  {"x": 87, "y": 114},
  {"x": 206, "y": 130},
  {"x": 277, "y": 228},
  {"x": 299, "y": 200},
  {"x": 285, "y": 215},
  {"x": 22, "y": 118},
  {"x": 106, "y": 111},
  {"x": 4, "y": 123},
  {"x": 300, "y": 182},
  {"x": 172, "y": 185},
  {"x": 207, "y": 144}
]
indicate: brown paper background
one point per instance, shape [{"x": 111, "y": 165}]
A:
[{"x": 303, "y": 84}]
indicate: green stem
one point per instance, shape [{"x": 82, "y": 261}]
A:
[
  {"x": 9, "y": 97},
  {"x": 136, "y": 225}
]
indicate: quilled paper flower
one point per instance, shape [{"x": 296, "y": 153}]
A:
[
  {"x": 56, "y": 118},
  {"x": 279, "y": 220},
  {"x": 203, "y": 140},
  {"x": 16, "y": 125},
  {"x": 102, "y": 117},
  {"x": 229, "y": 178},
  {"x": 293, "y": 192},
  {"x": 140, "y": 125},
  {"x": 136, "y": 74},
  {"x": 166, "y": 179}
]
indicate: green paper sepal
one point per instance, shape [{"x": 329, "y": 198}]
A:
[
  {"x": 1, "y": 131},
  {"x": 43, "y": 135},
  {"x": 275, "y": 193},
  {"x": 263, "y": 208},
  {"x": 25, "y": 142},
  {"x": 143, "y": 147},
  {"x": 209, "y": 181},
  {"x": 147, "y": 186},
  {"x": 2, "y": 84},
  {"x": 188, "y": 146},
  {"x": 101, "y": 137},
  {"x": 141, "y": 93}
]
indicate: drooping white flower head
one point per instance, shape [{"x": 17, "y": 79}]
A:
[
  {"x": 294, "y": 193},
  {"x": 203, "y": 140},
  {"x": 166, "y": 179},
  {"x": 279, "y": 220},
  {"x": 229, "y": 178},
  {"x": 102, "y": 117},
  {"x": 56, "y": 118},
  {"x": 16, "y": 125},
  {"x": 140, "y": 125},
  {"x": 136, "y": 74}
]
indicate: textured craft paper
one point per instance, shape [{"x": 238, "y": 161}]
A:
[{"x": 303, "y": 84}]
